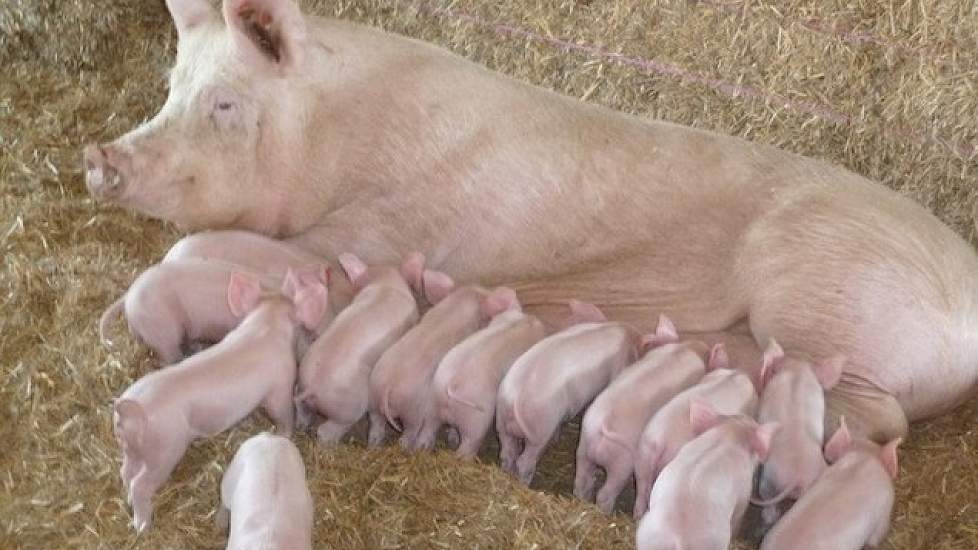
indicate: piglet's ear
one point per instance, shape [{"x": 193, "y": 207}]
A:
[
  {"x": 760, "y": 441},
  {"x": 267, "y": 33},
  {"x": 829, "y": 371},
  {"x": 499, "y": 300},
  {"x": 888, "y": 456},
  {"x": 772, "y": 362},
  {"x": 188, "y": 14},
  {"x": 719, "y": 359},
  {"x": 412, "y": 269},
  {"x": 311, "y": 304},
  {"x": 584, "y": 312},
  {"x": 243, "y": 293},
  {"x": 436, "y": 285},
  {"x": 702, "y": 416},
  {"x": 130, "y": 423},
  {"x": 354, "y": 268},
  {"x": 839, "y": 443},
  {"x": 665, "y": 333}
]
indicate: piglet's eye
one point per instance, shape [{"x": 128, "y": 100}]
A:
[{"x": 224, "y": 105}]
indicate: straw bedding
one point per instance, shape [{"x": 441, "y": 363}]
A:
[{"x": 887, "y": 88}]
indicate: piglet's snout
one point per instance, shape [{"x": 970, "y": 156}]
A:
[{"x": 103, "y": 175}]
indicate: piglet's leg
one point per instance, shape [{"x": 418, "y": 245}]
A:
[
  {"x": 526, "y": 464},
  {"x": 281, "y": 410},
  {"x": 643, "y": 488},
  {"x": 378, "y": 430},
  {"x": 331, "y": 432},
  {"x": 222, "y": 518},
  {"x": 509, "y": 450},
  {"x": 469, "y": 444},
  {"x": 619, "y": 473},
  {"x": 427, "y": 435},
  {"x": 130, "y": 467},
  {"x": 584, "y": 476}
]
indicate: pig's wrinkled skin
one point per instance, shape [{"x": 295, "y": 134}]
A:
[
  {"x": 728, "y": 391},
  {"x": 794, "y": 397},
  {"x": 334, "y": 373},
  {"x": 265, "y": 502},
  {"x": 464, "y": 388},
  {"x": 552, "y": 382},
  {"x": 614, "y": 422},
  {"x": 400, "y": 382},
  {"x": 342, "y": 137},
  {"x": 157, "y": 418},
  {"x": 702, "y": 495},
  {"x": 849, "y": 506},
  {"x": 175, "y": 303}
]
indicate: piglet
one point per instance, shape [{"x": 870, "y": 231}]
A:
[
  {"x": 173, "y": 304},
  {"x": 467, "y": 379},
  {"x": 794, "y": 395},
  {"x": 265, "y": 502},
  {"x": 156, "y": 418},
  {"x": 849, "y": 505},
  {"x": 256, "y": 253},
  {"x": 400, "y": 383},
  {"x": 334, "y": 374},
  {"x": 701, "y": 496},
  {"x": 613, "y": 424},
  {"x": 726, "y": 390},
  {"x": 553, "y": 381}
]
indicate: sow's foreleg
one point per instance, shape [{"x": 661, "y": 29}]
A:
[{"x": 878, "y": 280}]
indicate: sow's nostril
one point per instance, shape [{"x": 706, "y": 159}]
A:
[{"x": 101, "y": 178}]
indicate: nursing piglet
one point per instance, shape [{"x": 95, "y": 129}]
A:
[
  {"x": 728, "y": 391},
  {"x": 335, "y": 371},
  {"x": 400, "y": 383},
  {"x": 553, "y": 381},
  {"x": 701, "y": 496},
  {"x": 794, "y": 395},
  {"x": 258, "y": 253},
  {"x": 265, "y": 502},
  {"x": 172, "y": 304},
  {"x": 849, "y": 506},
  {"x": 156, "y": 418},
  {"x": 467, "y": 379},
  {"x": 613, "y": 424}
]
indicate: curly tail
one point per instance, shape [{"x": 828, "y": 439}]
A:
[
  {"x": 385, "y": 408},
  {"x": 773, "y": 500},
  {"x": 450, "y": 392},
  {"x": 107, "y": 315}
]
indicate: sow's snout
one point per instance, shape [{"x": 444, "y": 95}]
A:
[{"x": 105, "y": 171}]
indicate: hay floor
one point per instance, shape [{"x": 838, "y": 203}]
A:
[{"x": 887, "y": 88}]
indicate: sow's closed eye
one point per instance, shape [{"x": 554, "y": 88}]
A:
[{"x": 226, "y": 112}]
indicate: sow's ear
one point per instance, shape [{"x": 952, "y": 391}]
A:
[
  {"x": 188, "y": 14},
  {"x": 268, "y": 33}
]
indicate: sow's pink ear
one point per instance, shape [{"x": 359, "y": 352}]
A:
[
  {"x": 888, "y": 455},
  {"x": 829, "y": 371},
  {"x": 499, "y": 300},
  {"x": 839, "y": 442},
  {"x": 702, "y": 416},
  {"x": 188, "y": 14},
  {"x": 665, "y": 333},
  {"x": 267, "y": 33},
  {"x": 243, "y": 293},
  {"x": 436, "y": 285},
  {"x": 761, "y": 439}
]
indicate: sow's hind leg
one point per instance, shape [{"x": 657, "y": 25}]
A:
[{"x": 871, "y": 276}]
